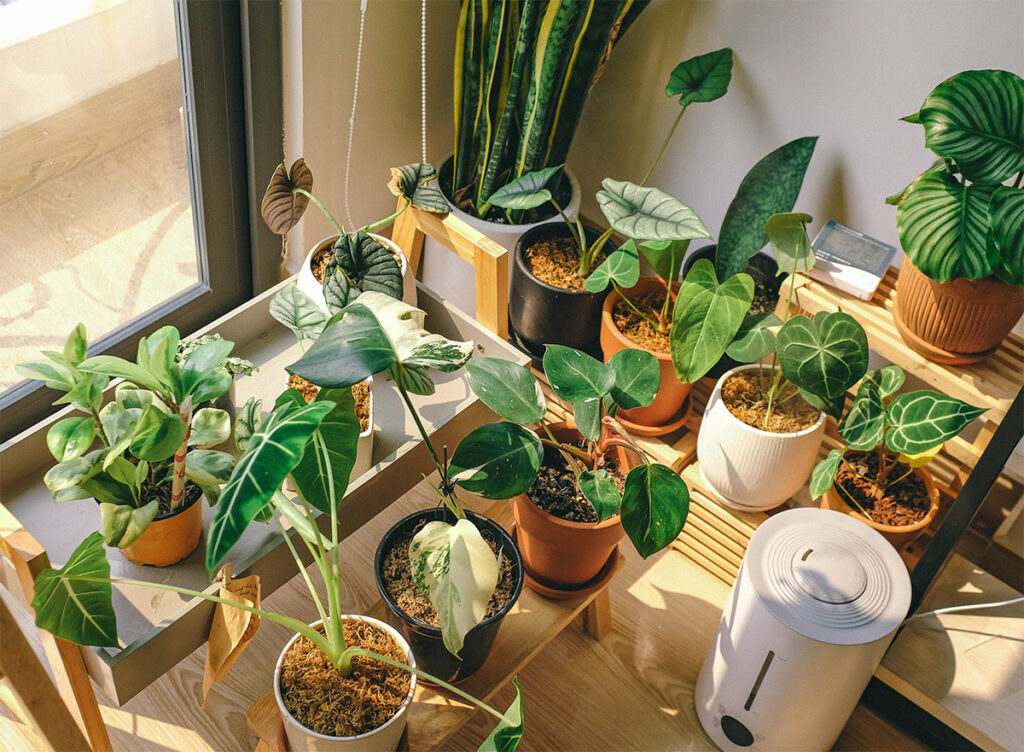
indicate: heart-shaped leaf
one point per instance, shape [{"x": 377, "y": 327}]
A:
[
  {"x": 976, "y": 118},
  {"x": 622, "y": 267},
  {"x": 655, "y": 503},
  {"x": 71, "y": 437},
  {"x": 527, "y": 191},
  {"x": 576, "y": 376},
  {"x": 602, "y": 493},
  {"x": 411, "y": 181},
  {"x": 157, "y": 435},
  {"x": 824, "y": 474},
  {"x": 754, "y": 340},
  {"x": 788, "y": 236},
  {"x": 889, "y": 379},
  {"x": 825, "y": 355},
  {"x": 282, "y": 206},
  {"x": 297, "y": 311},
  {"x": 923, "y": 419},
  {"x": 367, "y": 265},
  {"x": 704, "y": 78},
  {"x": 76, "y": 609},
  {"x": 637, "y": 378},
  {"x": 1006, "y": 216},
  {"x": 863, "y": 427},
  {"x": 122, "y": 525},
  {"x": 707, "y": 316},
  {"x": 497, "y": 460},
  {"x": 646, "y": 213},
  {"x": 507, "y": 388}
]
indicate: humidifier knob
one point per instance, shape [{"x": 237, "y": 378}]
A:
[{"x": 829, "y": 573}]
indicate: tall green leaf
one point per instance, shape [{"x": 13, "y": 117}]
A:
[
  {"x": 646, "y": 213},
  {"x": 507, "y": 388},
  {"x": 888, "y": 378},
  {"x": 704, "y": 78},
  {"x": 825, "y": 355},
  {"x": 921, "y": 420},
  {"x": 497, "y": 460},
  {"x": 655, "y": 504}
]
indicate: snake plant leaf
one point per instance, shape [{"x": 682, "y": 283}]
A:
[
  {"x": 282, "y": 207},
  {"x": 297, "y": 311},
  {"x": 824, "y": 474},
  {"x": 209, "y": 426},
  {"x": 459, "y": 571},
  {"x": 976, "y": 118},
  {"x": 920, "y": 420},
  {"x": 788, "y": 236},
  {"x": 754, "y": 339},
  {"x": 704, "y": 78},
  {"x": 76, "y": 609},
  {"x": 646, "y": 213},
  {"x": 888, "y": 378},
  {"x": 507, "y": 388},
  {"x": 410, "y": 181},
  {"x": 655, "y": 503},
  {"x": 1006, "y": 215},
  {"x": 497, "y": 460},
  {"x": 527, "y": 191},
  {"x": 601, "y": 491},
  {"x": 506, "y": 735},
  {"x": 157, "y": 435},
  {"x": 367, "y": 264},
  {"x": 637, "y": 377},
  {"x": 824, "y": 356},
  {"x": 338, "y": 434},
  {"x": 576, "y": 376},
  {"x": 208, "y": 467},
  {"x": 273, "y": 451},
  {"x": 943, "y": 227},
  {"x": 622, "y": 267},
  {"x": 71, "y": 437},
  {"x": 122, "y": 525},
  {"x": 706, "y": 318},
  {"x": 770, "y": 187},
  {"x": 863, "y": 427}
]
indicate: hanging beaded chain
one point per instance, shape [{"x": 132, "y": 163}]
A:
[
  {"x": 352, "y": 117},
  {"x": 423, "y": 79}
]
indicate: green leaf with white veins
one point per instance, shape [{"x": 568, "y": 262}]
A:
[
  {"x": 888, "y": 379},
  {"x": 497, "y": 460},
  {"x": 457, "y": 569},
  {"x": 788, "y": 236},
  {"x": 507, "y": 388},
  {"x": 71, "y": 437},
  {"x": 297, "y": 311},
  {"x": 637, "y": 377},
  {"x": 921, "y": 420},
  {"x": 248, "y": 422},
  {"x": 824, "y": 474},
  {"x": 863, "y": 427},
  {"x": 601, "y": 491},
  {"x": 647, "y": 213},
  {"x": 825, "y": 355},
  {"x": 755, "y": 339},
  {"x": 576, "y": 376},
  {"x": 525, "y": 192}
]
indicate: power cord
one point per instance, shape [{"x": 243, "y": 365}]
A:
[{"x": 970, "y": 607}]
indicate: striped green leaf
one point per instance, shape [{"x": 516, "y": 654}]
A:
[
  {"x": 1006, "y": 215},
  {"x": 863, "y": 427},
  {"x": 824, "y": 474},
  {"x": 704, "y": 78},
  {"x": 646, "y": 213},
  {"x": 825, "y": 355},
  {"x": 921, "y": 420}
]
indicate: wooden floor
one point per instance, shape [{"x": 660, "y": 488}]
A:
[{"x": 632, "y": 691}]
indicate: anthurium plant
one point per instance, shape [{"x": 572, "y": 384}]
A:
[
  {"x": 654, "y": 501},
  {"x": 958, "y": 218},
  {"x": 147, "y": 433},
  {"x": 904, "y": 432}
]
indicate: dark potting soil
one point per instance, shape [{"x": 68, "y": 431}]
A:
[
  {"x": 636, "y": 328},
  {"x": 162, "y": 492},
  {"x": 556, "y": 492},
  {"x": 414, "y": 602},
  {"x": 324, "y": 701},
  {"x": 360, "y": 391},
  {"x": 901, "y": 503},
  {"x": 744, "y": 394}
]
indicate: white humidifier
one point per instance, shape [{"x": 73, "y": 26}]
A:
[{"x": 817, "y": 601}]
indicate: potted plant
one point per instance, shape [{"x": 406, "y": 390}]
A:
[
  {"x": 234, "y": 365},
  {"x": 595, "y": 485},
  {"x": 763, "y": 425},
  {"x": 147, "y": 476},
  {"x": 358, "y": 665},
  {"x": 879, "y": 475},
  {"x": 960, "y": 289}
]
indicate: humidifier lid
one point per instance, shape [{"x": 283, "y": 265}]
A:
[{"x": 828, "y": 576}]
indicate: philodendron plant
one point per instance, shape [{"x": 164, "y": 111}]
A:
[
  {"x": 654, "y": 501},
  {"x": 147, "y": 432},
  {"x": 903, "y": 432}
]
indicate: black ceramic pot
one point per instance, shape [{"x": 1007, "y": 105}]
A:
[
  {"x": 541, "y": 314},
  {"x": 424, "y": 639}
]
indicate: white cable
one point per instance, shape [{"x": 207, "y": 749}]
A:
[
  {"x": 969, "y": 607},
  {"x": 352, "y": 118},
  {"x": 423, "y": 78}
]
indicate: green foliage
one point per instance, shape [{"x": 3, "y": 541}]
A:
[
  {"x": 508, "y": 389},
  {"x": 360, "y": 263},
  {"x": 296, "y": 310},
  {"x": 655, "y": 503},
  {"x": 497, "y": 460},
  {"x": 918, "y": 421},
  {"x": 863, "y": 427},
  {"x": 576, "y": 376},
  {"x": 601, "y": 491},
  {"x": 71, "y": 437},
  {"x": 704, "y": 78},
  {"x": 824, "y": 473},
  {"x": 754, "y": 340},
  {"x": 647, "y": 213},
  {"x": 527, "y": 191},
  {"x": 788, "y": 236},
  {"x": 412, "y": 181},
  {"x": 506, "y": 735},
  {"x": 637, "y": 377},
  {"x": 621, "y": 267}
]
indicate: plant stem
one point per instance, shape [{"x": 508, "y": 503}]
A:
[
  {"x": 315, "y": 200},
  {"x": 566, "y": 451},
  {"x": 387, "y": 220},
  {"x": 333, "y": 626},
  {"x": 577, "y": 238},
  {"x": 588, "y": 257},
  {"x": 302, "y": 570},
  {"x": 637, "y": 311},
  {"x": 447, "y": 497},
  {"x": 853, "y": 501},
  {"x": 663, "y": 146}
]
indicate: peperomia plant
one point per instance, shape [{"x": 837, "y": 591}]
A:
[
  {"x": 147, "y": 432},
  {"x": 903, "y": 432}
]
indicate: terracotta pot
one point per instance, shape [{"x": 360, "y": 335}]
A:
[
  {"x": 899, "y": 536},
  {"x": 386, "y": 737},
  {"x": 307, "y": 282},
  {"x": 956, "y": 322},
  {"x": 561, "y": 554},
  {"x": 671, "y": 391},
  {"x": 168, "y": 538}
]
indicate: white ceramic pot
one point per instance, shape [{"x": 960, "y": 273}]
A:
[
  {"x": 315, "y": 290},
  {"x": 386, "y": 737},
  {"x": 750, "y": 469},
  {"x": 452, "y": 278}
]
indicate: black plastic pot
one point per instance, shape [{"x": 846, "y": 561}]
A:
[
  {"x": 541, "y": 314},
  {"x": 426, "y": 641}
]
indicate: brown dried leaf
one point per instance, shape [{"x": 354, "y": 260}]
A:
[{"x": 282, "y": 207}]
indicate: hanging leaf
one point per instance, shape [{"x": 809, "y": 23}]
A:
[
  {"x": 507, "y": 388},
  {"x": 920, "y": 420},
  {"x": 71, "y": 437},
  {"x": 622, "y": 267},
  {"x": 646, "y": 213},
  {"x": 788, "y": 236},
  {"x": 1006, "y": 216},
  {"x": 576, "y": 376},
  {"x": 497, "y": 460},
  {"x": 863, "y": 427},
  {"x": 282, "y": 207},
  {"x": 823, "y": 476},
  {"x": 410, "y": 181},
  {"x": 506, "y": 735},
  {"x": 526, "y": 192},
  {"x": 601, "y": 491},
  {"x": 655, "y": 503},
  {"x": 637, "y": 378},
  {"x": 297, "y": 311},
  {"x": 704, "y": 78},
  {"x": 754, "y": 340}
]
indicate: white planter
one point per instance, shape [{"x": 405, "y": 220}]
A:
[
  {"x": 315, "y": 290},
  {"x": 750, "y": 469},
  {"x": 386, "y": 737},
  {"x": 452, "y": 278}
]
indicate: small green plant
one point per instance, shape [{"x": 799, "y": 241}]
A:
[
  {"x": 233, "y": 365},
  {"x": 903, "y": 432},
  {"x": 147, "y": 432}
]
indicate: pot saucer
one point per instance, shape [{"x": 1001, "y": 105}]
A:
[
  {"x": 558, "y": 594},
  {"x": 673, "y": 425}
]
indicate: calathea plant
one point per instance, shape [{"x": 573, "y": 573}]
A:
[{"x": 147, "y": 432}]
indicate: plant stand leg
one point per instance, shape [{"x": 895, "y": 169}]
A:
[
  {"x": 597, "y": 616},
  {"x": 408, "y": 236}
]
